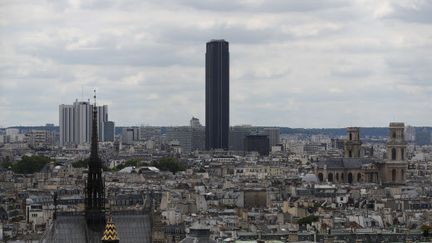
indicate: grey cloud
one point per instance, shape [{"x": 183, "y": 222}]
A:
[
  {"x": 293, "y": 63},
  {"x": 263, "y": 6},
  {"x": 418, "y": 11}
]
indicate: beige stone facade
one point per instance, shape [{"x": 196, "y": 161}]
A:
[{"x": 353, "y": 168}]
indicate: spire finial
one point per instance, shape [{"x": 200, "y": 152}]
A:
[{"x": 94, "y": 96}]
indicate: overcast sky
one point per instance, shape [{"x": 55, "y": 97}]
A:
[{"x": 295, "y": 63}]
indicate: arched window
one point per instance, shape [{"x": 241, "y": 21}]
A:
[
  {"x": 394, "y": 175},
  {"x": 330, "y": 177},
  {"x": 350, "y": 136},
  {"x": 350, "y": 178},
  {"x": 342, "y": 177},
  {"x": 393, "y": 154},
  {"x": 320, "y": 177},
  {"x": 337, "y": 177},
  {"x": 359, "y": 177},
  {"x": 350, "y": 154},
  {"x": 402, "y": 175}
]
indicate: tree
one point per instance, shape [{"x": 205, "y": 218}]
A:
[
  {"x": 81, "y": 163},
  {"x": 308, "y": 219},
  {"x": 30, "y": 164},
  {"x": 426, "y": 228},
  {"x": 6, "y": 164},
  {"x": 169, "y": 164}
]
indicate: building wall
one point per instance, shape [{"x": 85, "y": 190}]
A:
[{"x": 75, "y": 122}]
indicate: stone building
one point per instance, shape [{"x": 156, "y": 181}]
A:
[
  {"x": 353, "y": 168},
  {"x": 394, "y": 169}
]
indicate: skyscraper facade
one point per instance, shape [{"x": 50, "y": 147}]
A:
[
  {"x": 75, "y": 122},
  {"x": 273, "y": 134},
  {"x": 217, "y": 95}
]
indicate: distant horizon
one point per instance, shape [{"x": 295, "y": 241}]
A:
[{"x": 145, "y": 125}]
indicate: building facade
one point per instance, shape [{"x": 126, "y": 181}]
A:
[
  {"x": 75, "y": 122},
  {"x": 257, "y": 143},
  {"x": 217, "y": 95},
  {"x": 354, "y": 168},
  {"x": 273, "y": 134}
]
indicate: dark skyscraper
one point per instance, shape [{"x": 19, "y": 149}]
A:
[{"x": 217, "y": 95}]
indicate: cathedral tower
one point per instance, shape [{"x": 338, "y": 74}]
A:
[
  {"x": 352, "y": 145},
  {"x": 95, "y": 191},
  {"x": 395, "y": 166}
]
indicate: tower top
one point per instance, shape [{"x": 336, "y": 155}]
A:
[
  {"x": 218, "y": 40},
  {"x": 94, "y": 96}
]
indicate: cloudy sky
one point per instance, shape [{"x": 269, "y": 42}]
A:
[{"x": 296, "y": 63}]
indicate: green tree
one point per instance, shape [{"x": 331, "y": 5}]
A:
[
  {"x": 6, "y": 164},
  {"x": 308, "y": 219},
  {"x": 80, "y": 163},
  {"x": 30, "y": 164},
  {"x": 426, "y": 229},
  {"x": 169, "y": 164}
]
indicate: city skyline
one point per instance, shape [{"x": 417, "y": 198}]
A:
[{"x": 296, "y": 64}]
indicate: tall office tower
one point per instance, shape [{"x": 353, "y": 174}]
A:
[
  {"x": 198, "y": 135},
  {"x": 75, "y": 122},
  {"x": 195, "y": 123},
  {"x": 183, "y": 135},
  {"x": 102, "y": 117},
  {"x": 217, "y": 95},
  {"x": 130, "y": 135},
  {"x": 109, "y": 131},
  {"x": 273, "y": 133},
  {"x": 237, "y": 137}
]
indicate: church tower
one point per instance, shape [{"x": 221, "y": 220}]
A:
[
  {"x": 95, "y": 191},
  {"x": 352, "y": 145},
  {"x": 395, "y": 166}
]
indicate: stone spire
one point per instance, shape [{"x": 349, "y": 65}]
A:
[{"x": 95, "y": 191}]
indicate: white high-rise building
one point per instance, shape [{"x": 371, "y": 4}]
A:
[{"x": 75, "y": 122}]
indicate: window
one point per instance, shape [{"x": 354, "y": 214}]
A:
[
  {"x": 394, "y": 175},
  {"x": 330, "y": 177},
  {"x": 393, "y": 154}
]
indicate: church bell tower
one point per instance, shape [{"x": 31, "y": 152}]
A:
[
  {"x": 395, "y": 166},
  {"x": 352, "y": 144}
]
